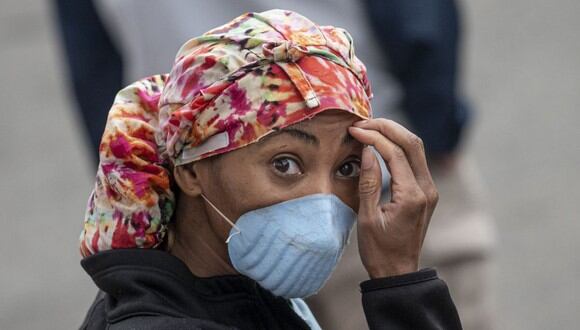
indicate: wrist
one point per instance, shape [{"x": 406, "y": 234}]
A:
[
  {"x": 422, "y": 275},
  {"x": 393, "y": 269}
]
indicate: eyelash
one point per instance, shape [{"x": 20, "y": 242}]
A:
[
  {"x": 357, "y": 168},
  {"x": 300, "y": 167},
  {"x": 290, "y": 158}
]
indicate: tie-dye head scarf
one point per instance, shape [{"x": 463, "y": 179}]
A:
[{"x": 228, "y": 88}]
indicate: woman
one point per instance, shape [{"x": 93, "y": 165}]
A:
[{"x": 226, "y": 190}]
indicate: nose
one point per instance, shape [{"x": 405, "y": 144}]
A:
[
  {"x": 320, "y": 184},
  {"x": 323, "y": 182}
]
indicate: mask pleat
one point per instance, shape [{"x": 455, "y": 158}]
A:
[
  {"x": 291, "y": 248},
  {"x": 300, "y": 270},
  {"x": 254, "y": 256},
  {"x": 291, "y": 266}
]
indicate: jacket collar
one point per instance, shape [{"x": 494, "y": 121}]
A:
[{"x": 156, "y": 282}]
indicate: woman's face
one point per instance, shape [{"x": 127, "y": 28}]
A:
[{"x": 310, "y": 157}]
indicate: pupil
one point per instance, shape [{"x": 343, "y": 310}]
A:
[
  {"x": 282, "y": 165},
  {"x": 346, "y": 169}
]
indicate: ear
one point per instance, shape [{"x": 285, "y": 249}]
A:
[{"x": 188, "y": 179}]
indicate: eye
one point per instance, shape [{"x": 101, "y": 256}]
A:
[
  {"x": 349, "y": 169},
  {"x": 286, "y": 166}
]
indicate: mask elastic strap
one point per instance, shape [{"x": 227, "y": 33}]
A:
[{"x": 238, "y": 231}]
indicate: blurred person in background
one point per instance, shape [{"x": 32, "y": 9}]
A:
[
  {"x": 95, "y": 65},
  {"x": 226, "y": 189},
  {"x": 421, "y": 41},
  {"x": 411, "y": 49}
]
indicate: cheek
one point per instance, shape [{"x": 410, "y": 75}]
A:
[
  {"x": 348, "y": 193},
  {"x": 242, "y": 185}
]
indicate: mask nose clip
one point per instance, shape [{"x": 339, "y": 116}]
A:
[{"x": 238, "y": 231}]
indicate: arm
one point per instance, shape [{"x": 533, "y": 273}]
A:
[
  {"x": 418, "y": 300},
  {"x": 420, "y": 40},
  {"x": 391, "y": 234}
]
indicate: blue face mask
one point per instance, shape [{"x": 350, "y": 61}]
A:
[{"x": 291, "y": 248}]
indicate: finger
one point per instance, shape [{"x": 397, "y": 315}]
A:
[
  {"x": 415, "y": 151},
  {"x": 369, "y": 187},
  {"x": 402, "y": 176},
  {"x": 411, "y": 144}
]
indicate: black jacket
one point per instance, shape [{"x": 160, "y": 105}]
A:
[{"x": 151, "y": 289}]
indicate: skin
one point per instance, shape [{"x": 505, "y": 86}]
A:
[{"x": 325, "y": 154}]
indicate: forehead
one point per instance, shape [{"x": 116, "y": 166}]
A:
[
  {"x": 327, "y": 120},
  {"x": 331, "y": 125},
  {"x": 329, "y": 128}
]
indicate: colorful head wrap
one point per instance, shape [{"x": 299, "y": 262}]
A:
[{"x": 228, "y": 88}]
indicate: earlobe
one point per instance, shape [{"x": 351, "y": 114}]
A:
[{"x": 188, "y": 179}]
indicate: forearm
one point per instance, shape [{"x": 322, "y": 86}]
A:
[{"x": 418, "y": 300}]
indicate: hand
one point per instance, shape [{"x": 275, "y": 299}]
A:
[{"x": 390, "y": 236}]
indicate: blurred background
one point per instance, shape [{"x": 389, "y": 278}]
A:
[{"x": 520, "y": 71}]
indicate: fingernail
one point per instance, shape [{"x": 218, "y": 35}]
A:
[
  {"x": 361, "y": 122},
  {"x": 367, "y": 159}
]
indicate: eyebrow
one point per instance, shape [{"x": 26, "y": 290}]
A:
[
  {"x": 348, "y": 139},
  {"x": 300, "y": 134},
  {"x": 307, "y": 137}
]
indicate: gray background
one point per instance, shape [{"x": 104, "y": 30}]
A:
[{"x": 522, "y": 72}]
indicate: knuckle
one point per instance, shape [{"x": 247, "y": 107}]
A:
[
  {"x": 416, "y": 142},
  {"x": 368, "y": 186},
  {"x": 398, "y": 153},
  {"x": 383, "y": 124},
  {"x": 382, "y": 121},
  {"x": 432, "y": 196},
  {"x": 419, "y": 199}
]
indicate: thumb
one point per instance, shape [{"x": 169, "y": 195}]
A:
[{"x": 369, "y": 186}]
